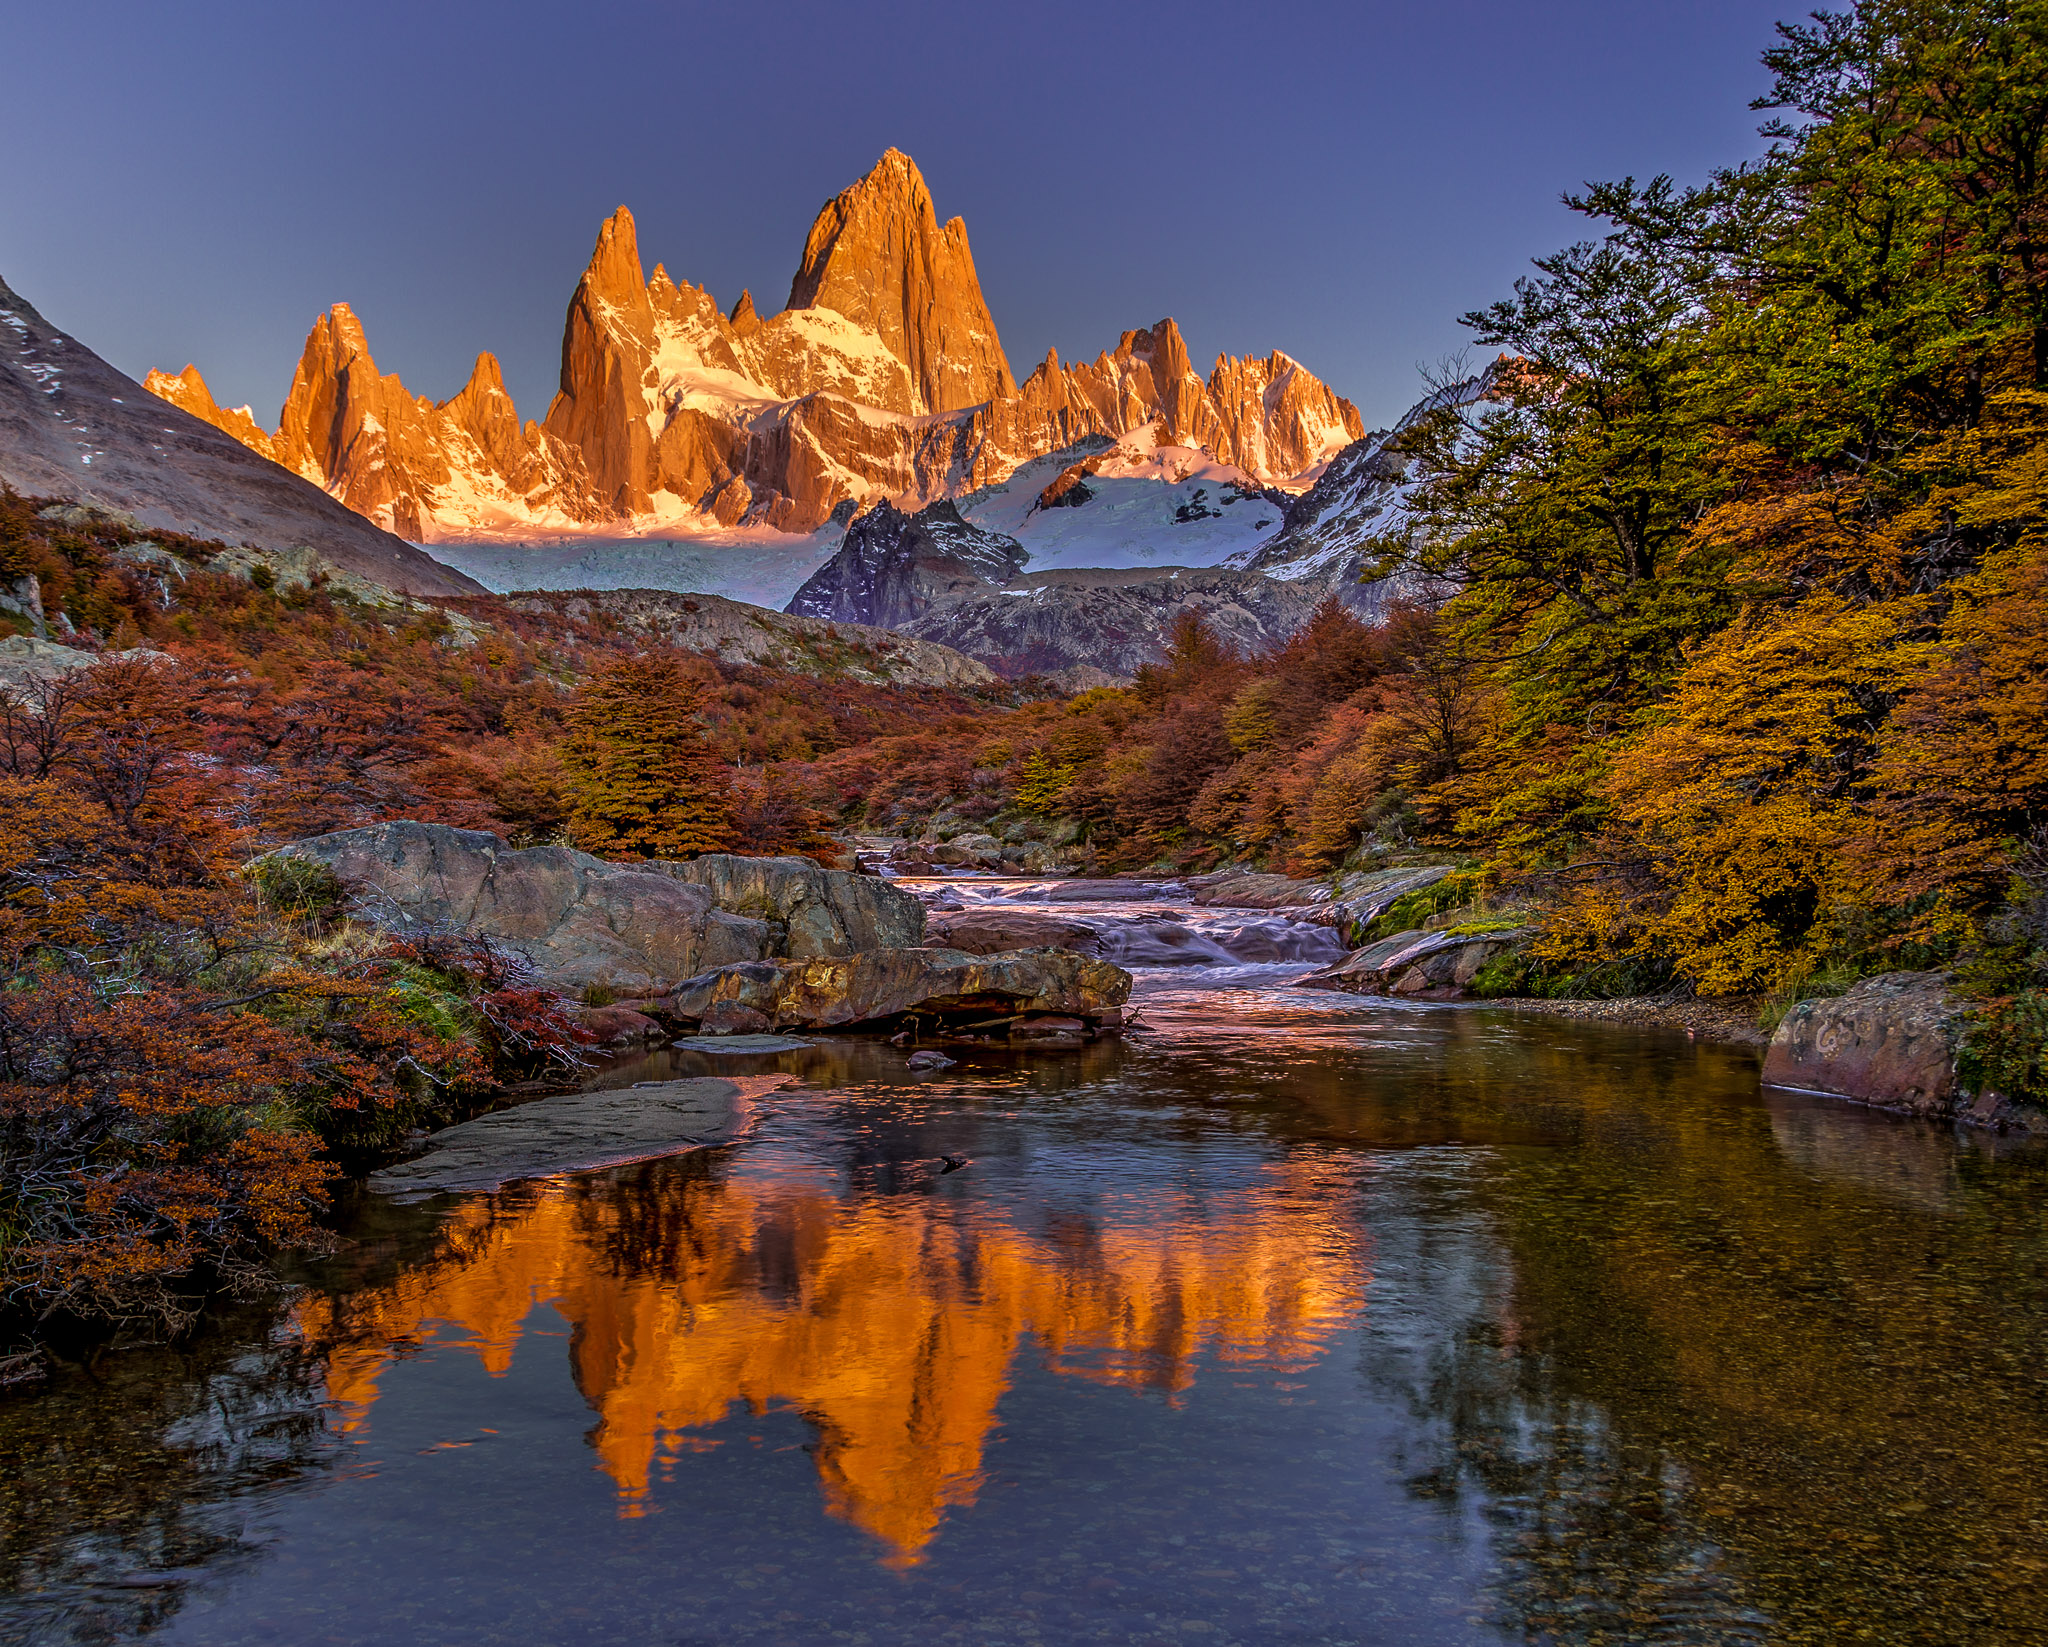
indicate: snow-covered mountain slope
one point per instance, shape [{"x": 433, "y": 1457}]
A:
[
  {"x": 1130, "y": 502},
  {"x": 943, "y": 578},
  {"x": 1085, "y": 557},
  {"x": 1332, "y": 533}
]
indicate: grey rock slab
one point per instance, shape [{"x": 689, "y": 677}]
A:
[
  {"x": 1244, "y": 890},
  {"x": 578, "y": 1132},
  {"x": 1363, "y": 899},
  {"x": 1449, "y": 958},
  {"x": 811, "y": 911},
  {"x": 581, "y": 920}
]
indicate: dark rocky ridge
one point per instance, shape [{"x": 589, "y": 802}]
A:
[
  {"x": 1116, "y": 621},
  {"x": 892, "y": 568},
  {"x": 72, "y": 426},
  {"x": 936, "y": 576},
  {"x": 939, "y": 577}
]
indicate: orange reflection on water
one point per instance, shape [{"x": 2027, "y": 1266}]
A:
[{"x": 891, "y": 1323}]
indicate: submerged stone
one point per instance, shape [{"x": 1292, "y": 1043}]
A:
[
  {"x": 577, "y": 1132},
  {"x": 740, "y": 1045}
]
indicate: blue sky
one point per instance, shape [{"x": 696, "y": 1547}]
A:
[{"x": 199, "y": 181}]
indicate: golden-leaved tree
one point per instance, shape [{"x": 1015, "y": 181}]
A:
[{"x": 644, "y": 779}]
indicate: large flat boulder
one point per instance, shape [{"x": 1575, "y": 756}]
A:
[
  {"x": 1363, "y": 898},
  {"x": 582, "y": 921},
  {"x": 999, "y": 927},
  {"x": 577, "y": 1132},
  {"x": 1429, "y": 965},
  {"x": 880, "y": 985},
  {"x": 811, "y": 911},
  {"x": 1249, "y": 889},
  {"x": 1891, "y": 1041}
]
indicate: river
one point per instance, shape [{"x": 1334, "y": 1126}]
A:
[{"x": 1290, "y": 1318}]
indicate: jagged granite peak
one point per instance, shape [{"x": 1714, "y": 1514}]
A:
[
  {"x": 1274, "y": 417},
  {"x": 672, "y": 411},
  {"x": 406, "y": 462},
  {"x": 188, "y": 391},
  {"x": 893, "y": 567},
  {"x": 613, "y": 274},
  {"x": 483, "y": 409},
  {"x": 599, "y": 409},
  {"x": 72, "y": 426},
  {"x": 877, "y": 255}
]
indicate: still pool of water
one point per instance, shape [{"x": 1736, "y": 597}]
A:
[{"x": 1295, "y": 1318}]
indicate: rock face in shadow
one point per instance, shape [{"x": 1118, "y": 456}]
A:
[
  {"x": 893, "y": 568},
  {"x": 735, "y": 632},
  {"x": 71, "y": 426},
  {"x": 942, "y": 984},
  {"x": 1114, "y": 621},
  {"x": 811, "y": 912},
  {"x": 581, "y": 920},
  {"x": 1891, "y": 1041},
  {"x": 936, "y": 576}
]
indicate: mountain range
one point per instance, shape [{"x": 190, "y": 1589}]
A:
[
  {"x": 865, "y": 456},
  {"x": 883, "y": 377}
]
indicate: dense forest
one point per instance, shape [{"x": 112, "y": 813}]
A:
[{"x": 1730, "y": 668}]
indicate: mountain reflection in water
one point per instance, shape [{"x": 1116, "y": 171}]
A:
[{"x": 891, "y": 1323}]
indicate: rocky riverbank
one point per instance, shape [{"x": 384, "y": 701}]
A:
[{"x": 1731, "y": 1022}]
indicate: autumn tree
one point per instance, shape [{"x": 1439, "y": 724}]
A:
[{"x": 645, "y": 782}]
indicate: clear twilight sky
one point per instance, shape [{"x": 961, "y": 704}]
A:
[{"x": 199, "y": 181}]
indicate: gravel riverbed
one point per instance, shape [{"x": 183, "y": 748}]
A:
[{"x": 1732, "y": 1022}]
